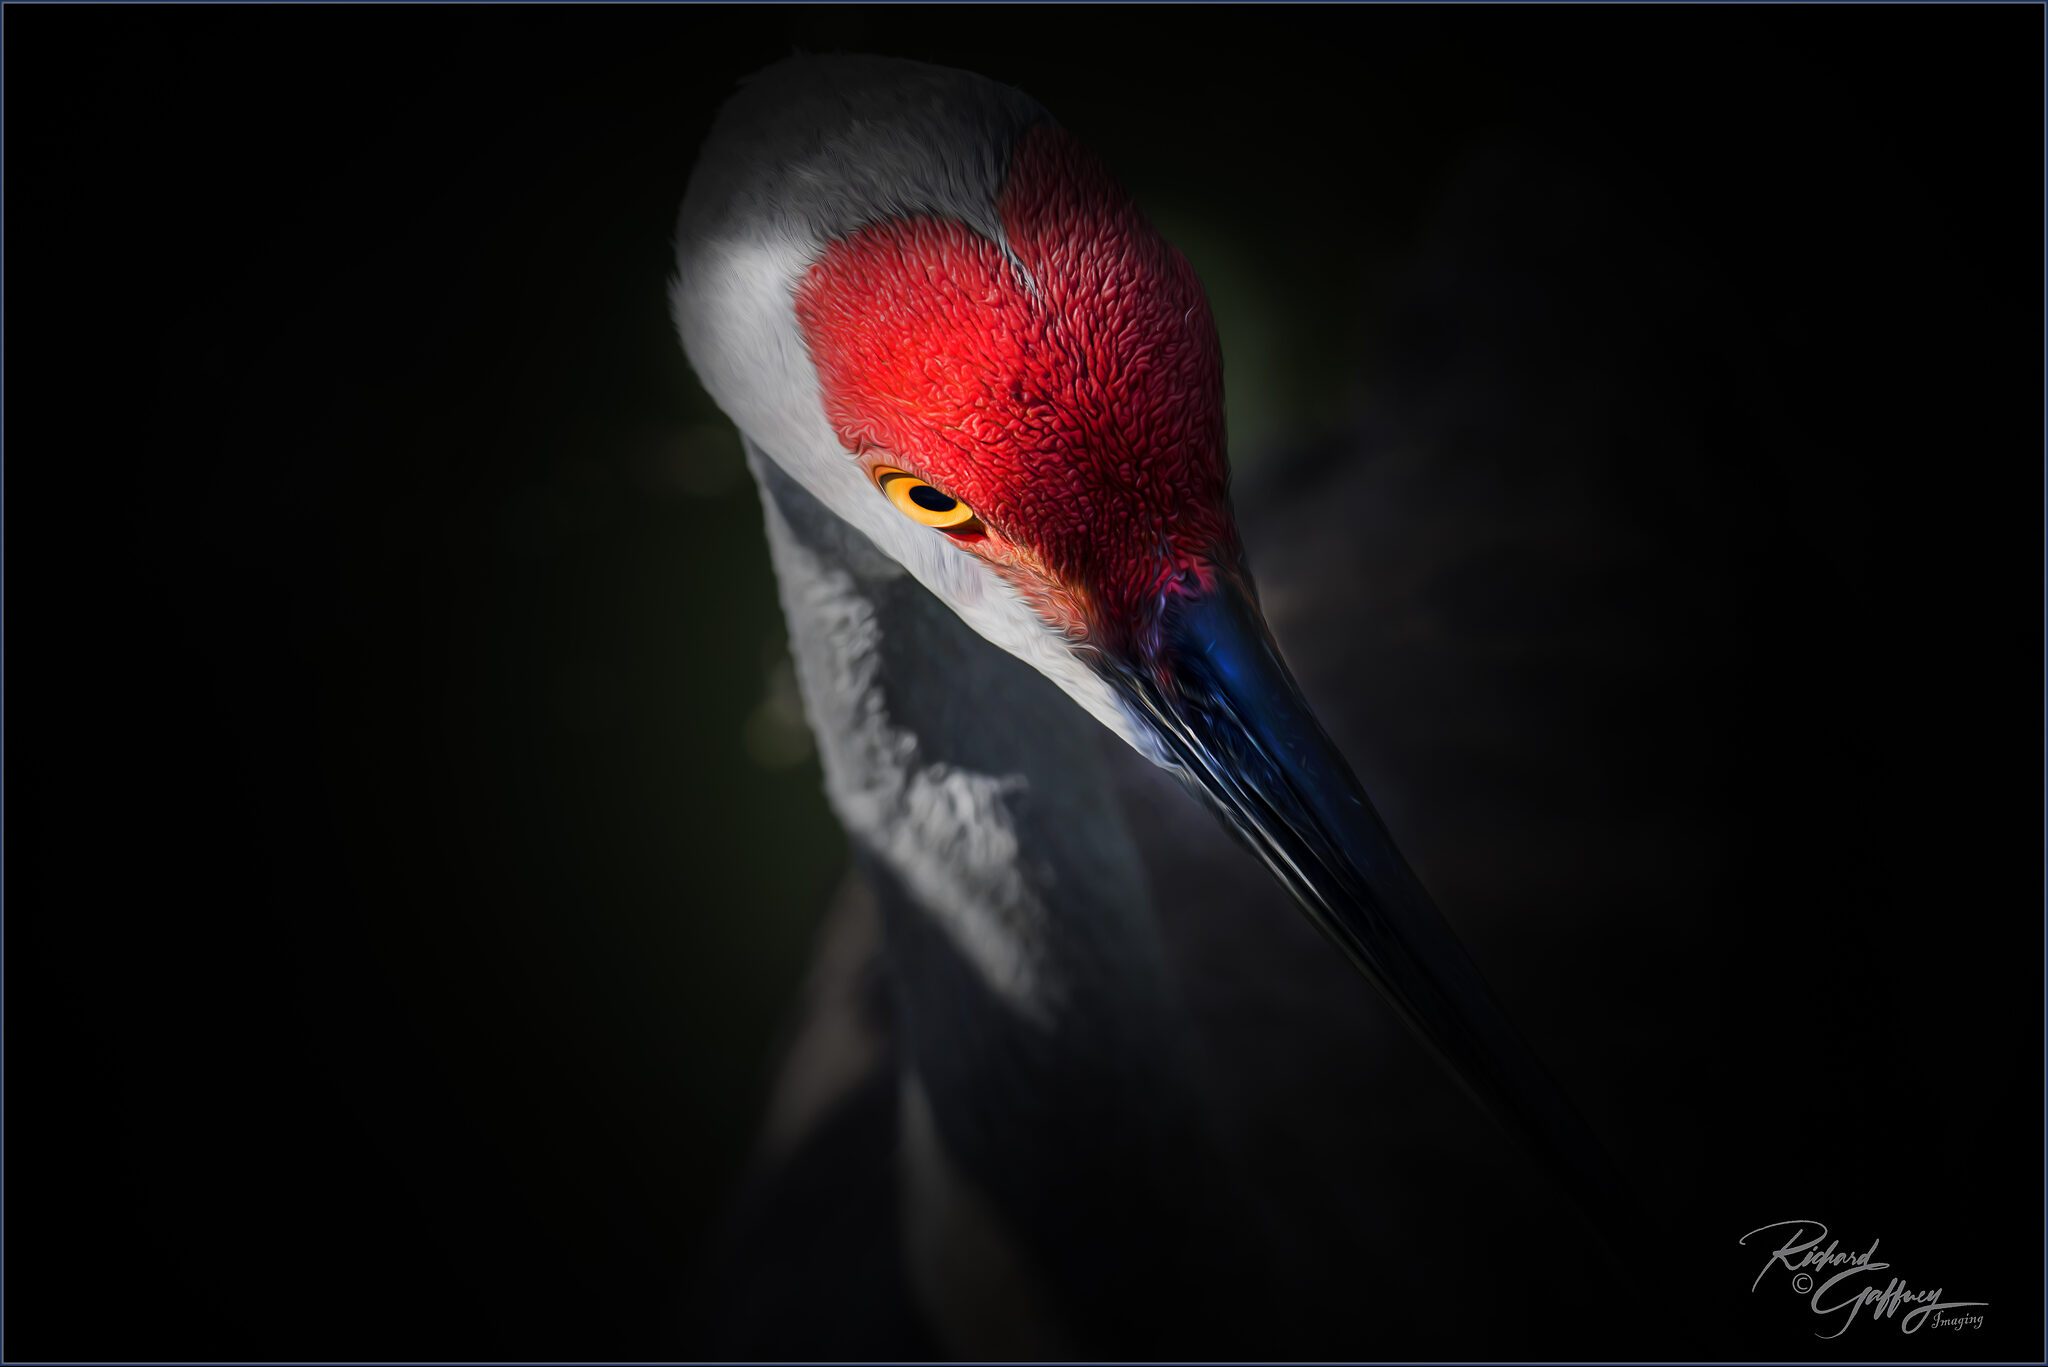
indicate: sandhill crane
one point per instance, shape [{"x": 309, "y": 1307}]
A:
[{"x": 982, "y": 400}]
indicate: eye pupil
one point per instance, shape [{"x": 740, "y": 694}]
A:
[{"x": 931, "y": 500}]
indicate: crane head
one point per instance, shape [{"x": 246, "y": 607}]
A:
[
  {"x": 1050, "y": 402},
  {"x": 927, "y": 303}
]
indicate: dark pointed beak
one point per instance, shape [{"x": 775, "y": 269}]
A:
[{"x": 1235, "y": 724}]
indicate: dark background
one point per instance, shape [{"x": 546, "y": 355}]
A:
[{"x": 413, "y": 847}]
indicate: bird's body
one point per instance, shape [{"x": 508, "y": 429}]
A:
[
  {"x": 982, "y": 401},
  {"x": 1033, "y": 1041}
]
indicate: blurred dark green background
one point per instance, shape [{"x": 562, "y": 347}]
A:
[{"x": 414, "y": 842}]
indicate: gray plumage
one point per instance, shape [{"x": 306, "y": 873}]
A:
[
  {"x": 1028, "y": 1113},
  {"x": 833, "y": 144}
]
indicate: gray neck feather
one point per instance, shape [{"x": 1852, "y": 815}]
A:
[
  {"x": 967, "y": 779},
  {"x": 1034, "y": 1010}
]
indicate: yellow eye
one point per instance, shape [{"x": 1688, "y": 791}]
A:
[{"x": 925, "y": 503}]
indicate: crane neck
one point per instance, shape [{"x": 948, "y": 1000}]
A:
[
  {"x": 1040, "y": 1042},
  {"x": 964, "y": 776}
]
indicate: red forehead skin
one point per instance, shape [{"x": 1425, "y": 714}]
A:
[{"x": 1081, "y": 419}]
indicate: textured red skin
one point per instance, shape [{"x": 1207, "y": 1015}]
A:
[{"x": 1082, "y": 420}]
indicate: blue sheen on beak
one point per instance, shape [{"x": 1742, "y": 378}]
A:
[{"x": 1228, "y": 711}]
